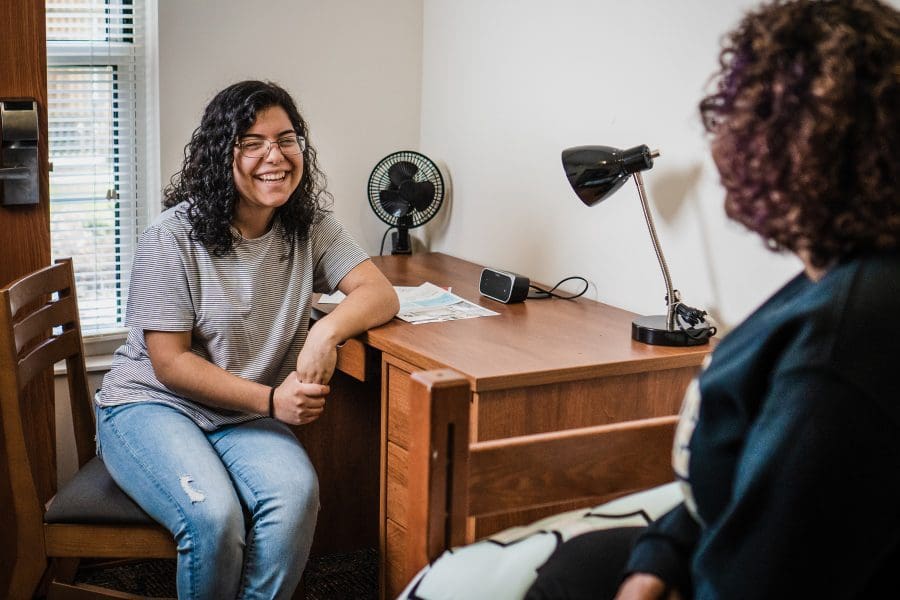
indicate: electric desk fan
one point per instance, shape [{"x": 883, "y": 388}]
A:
[{"x": 406, "y": 190}]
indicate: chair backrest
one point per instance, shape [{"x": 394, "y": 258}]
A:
[{"x": 39, "y": 327}]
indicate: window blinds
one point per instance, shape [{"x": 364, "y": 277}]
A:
[{"x": 97, "y": 121}]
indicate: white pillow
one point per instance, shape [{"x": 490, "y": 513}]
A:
[{"x": 505, "y": 565}]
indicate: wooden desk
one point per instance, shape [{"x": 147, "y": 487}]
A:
[{"x": 541, "y": 365}]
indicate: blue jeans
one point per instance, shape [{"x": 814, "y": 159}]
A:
[{"x": 241, "y": 501}]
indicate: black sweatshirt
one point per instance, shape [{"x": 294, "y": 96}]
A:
[{"x": 789, "y": 449}]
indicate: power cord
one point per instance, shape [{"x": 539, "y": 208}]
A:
[
  {"x": 690, "y": 316},
  {"x": 384, "y": 237},
  {"x": 540, "y": 293}
]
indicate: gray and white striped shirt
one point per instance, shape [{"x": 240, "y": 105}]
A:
[{"x": 248, "y": 311}]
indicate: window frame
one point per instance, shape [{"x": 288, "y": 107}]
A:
[{"x": 145, "y": 143}]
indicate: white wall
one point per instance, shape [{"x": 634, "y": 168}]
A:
[
  {"x": 508, "y": 84},
  {"x": 493, "y": 90},
  {"x": 354, "y": 67}
]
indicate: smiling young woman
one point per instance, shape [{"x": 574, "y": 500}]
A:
[{"x": 193, "y": 416}]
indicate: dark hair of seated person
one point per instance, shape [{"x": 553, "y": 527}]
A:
[{"x": 805, "y": 126}]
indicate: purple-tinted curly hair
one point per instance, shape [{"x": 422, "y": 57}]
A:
[{"x": 805, "y": 124}]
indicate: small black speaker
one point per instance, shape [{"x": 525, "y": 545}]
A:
[{"x": 503, "y": 286}]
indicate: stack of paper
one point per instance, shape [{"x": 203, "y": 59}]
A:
[{"x": 427, "y": 303}]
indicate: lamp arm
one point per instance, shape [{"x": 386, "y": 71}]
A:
[{"x": 671, "y": 299}]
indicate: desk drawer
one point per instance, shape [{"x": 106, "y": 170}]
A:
[
  {"x": 397, "y": 385},
  {"x": 397, "y": 573},
  {"x": 397, "y": 483},
  {"x": 352, "y": 359}
]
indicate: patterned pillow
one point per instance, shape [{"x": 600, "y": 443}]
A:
[{"x": 505, "y": 565}]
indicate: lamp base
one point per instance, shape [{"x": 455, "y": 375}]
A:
[{"x": 652, "y": 330}]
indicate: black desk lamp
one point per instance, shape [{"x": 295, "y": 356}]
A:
[{"x": 595, "y": 173}]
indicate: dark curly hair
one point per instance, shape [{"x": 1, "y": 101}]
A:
[
  {"x": 805, "y": 126},
  {"x": 206, "y": 179}
]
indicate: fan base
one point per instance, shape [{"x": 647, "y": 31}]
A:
[
  {"x": 652, "y": 330},
  {"x": 400, "y": 243}
]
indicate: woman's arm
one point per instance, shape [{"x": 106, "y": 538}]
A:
[
  {"x": 663, "y": 553},
  {"x": 193, "y": 377},
  {"x": 371, "y": 301},
  {"x": 813, "y": 502},
  {"x": 813, "y": 506}
]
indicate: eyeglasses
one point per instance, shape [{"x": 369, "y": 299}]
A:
[{"x": 290, "y": 145}]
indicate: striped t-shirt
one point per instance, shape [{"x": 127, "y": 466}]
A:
[{"x": 248, "y": 311}]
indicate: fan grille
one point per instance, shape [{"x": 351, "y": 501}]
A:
[{"x": 426, "y": 170}]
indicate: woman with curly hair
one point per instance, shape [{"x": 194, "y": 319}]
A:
[
  {"x": 788, "y": 446},
  {"x": 193, "y": 416}
]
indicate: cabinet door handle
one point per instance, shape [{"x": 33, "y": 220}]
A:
[{"x": 19, "y": 136}]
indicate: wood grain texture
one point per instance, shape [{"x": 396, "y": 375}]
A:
[
  {"x": 352, "y": 359},
  {"x": 395, "y": 572},
  {"x": 397, "y": 375},
  {"x": 397, "y": 491},
  {"x": 109, "y": 541},
  {"x": 596, "y": 401},
  {"x": 573, "y": 465},
  {"x": 86, "y": 591},
  {"x": 343, "y": 445},
  {"x": 25, "y": 230},
  {"x": 438, "y": 452},
  {"x": 537, "y": 367},
  {"x": 36, "y": 332},
  {"x": 531, "y": 343},
  {"x": 393, "y": 474}
]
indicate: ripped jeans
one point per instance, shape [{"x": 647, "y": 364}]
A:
[{"x": 241, "y": 501}]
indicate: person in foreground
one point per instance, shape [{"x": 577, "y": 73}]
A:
[
  {"x": 193, "y": 416},
  {"x": 788, "y": 446}
]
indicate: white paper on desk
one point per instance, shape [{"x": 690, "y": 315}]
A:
[
  {"x": 334, "y": 298},
  {"x": 428, "y": 303},
  {"x": 338, "y": 296}
]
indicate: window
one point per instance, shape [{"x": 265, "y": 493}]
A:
[{"x": 99, "y": 135}]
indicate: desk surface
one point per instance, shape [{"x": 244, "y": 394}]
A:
[{"x": 552, "y": 340}]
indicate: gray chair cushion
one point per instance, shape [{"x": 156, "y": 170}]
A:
[{"x": 92, "y": 497}]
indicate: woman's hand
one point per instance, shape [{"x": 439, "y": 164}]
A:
[
  {"x": 299, "y": 403},
  {"x": 644, "y": 586}
]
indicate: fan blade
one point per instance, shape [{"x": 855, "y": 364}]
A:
[
  {"x": 394, "y": 203},
  {"x": 420, "y": 194},
  {"x": 402, "y": 171}
]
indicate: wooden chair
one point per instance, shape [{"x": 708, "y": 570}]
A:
[
  {"x": 90, "y": 517},
  {"x": 454, "y": 479}
]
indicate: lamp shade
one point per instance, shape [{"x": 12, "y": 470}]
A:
[{"x": 596, "y": 172}]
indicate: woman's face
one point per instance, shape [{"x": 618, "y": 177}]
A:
[{"x": 267, "y": 182}]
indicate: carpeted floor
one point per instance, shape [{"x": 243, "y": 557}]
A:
[{"x": 331, "y": 577}]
